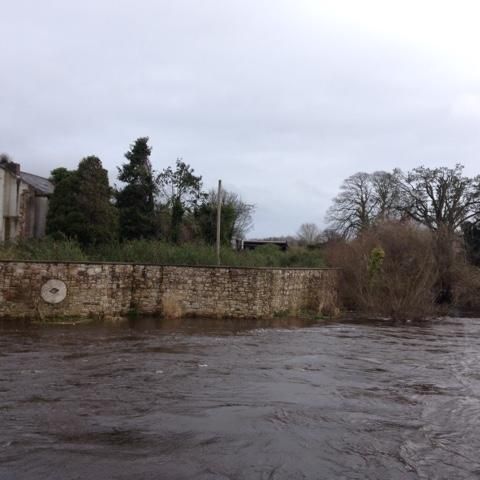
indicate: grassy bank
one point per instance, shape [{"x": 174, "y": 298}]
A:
[{"x": 147, "y": 251}]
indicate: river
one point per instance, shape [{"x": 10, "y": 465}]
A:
[{"x": 202, "y": 399}]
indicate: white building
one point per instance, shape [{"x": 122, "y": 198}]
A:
[{"x": 23, "y": 203}]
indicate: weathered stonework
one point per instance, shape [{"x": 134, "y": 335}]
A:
[{"x": 111, "y": 290}]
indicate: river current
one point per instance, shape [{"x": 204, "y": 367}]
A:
[{"x": 199, "y": 399}]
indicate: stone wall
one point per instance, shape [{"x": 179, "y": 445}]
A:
[{"x": 111, "y": 290}]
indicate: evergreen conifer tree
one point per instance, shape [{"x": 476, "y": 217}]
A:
[{"x": 136, "y": 200}]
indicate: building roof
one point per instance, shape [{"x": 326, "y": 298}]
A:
[
  {"x": 252, "y": 244},
  {"x": 43, "y": 186},
  {"x": 8, "y": 165}
]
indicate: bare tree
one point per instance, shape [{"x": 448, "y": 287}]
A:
[
  {"x": 353, "y": 209},
  {"x": 308, "y": 234},
  {"x": 242, "y": 212},
  {"x": 236, "y": 217},
  {"x": 386, "y": 188},
  {"x": 439, "y": 198},
  {"x": 443, "y": 200}
]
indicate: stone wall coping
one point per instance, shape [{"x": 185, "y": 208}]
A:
[{"x": 91, "y": 263}]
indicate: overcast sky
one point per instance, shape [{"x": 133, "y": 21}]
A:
[{"x": 282, "y": 99}]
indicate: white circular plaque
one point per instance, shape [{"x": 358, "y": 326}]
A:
[{"x": 54, "y": 291}]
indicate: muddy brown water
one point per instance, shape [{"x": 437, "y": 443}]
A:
[{"x": 199, "y": 399}]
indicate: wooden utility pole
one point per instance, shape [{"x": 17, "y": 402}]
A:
[{"x": 219, "y": 214}]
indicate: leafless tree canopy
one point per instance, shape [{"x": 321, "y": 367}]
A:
[
  {"x": 440, "y": 197},
  {"x": 364, "y": 199},
  {"x": 386, "y": 190},
  {"x": 436, "y": 198},
  {"x": 242, "y": 211},
  {"x": 309, "y": 234}
]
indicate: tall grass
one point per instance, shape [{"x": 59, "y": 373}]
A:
[
  {"x": 156, "y": 252},
  {"x": 47, "y": 250}
]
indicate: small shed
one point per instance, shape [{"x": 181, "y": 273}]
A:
[{"x": 253, "y": 244}]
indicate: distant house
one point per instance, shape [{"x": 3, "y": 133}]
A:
[{"x": 23, "y": 203}]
